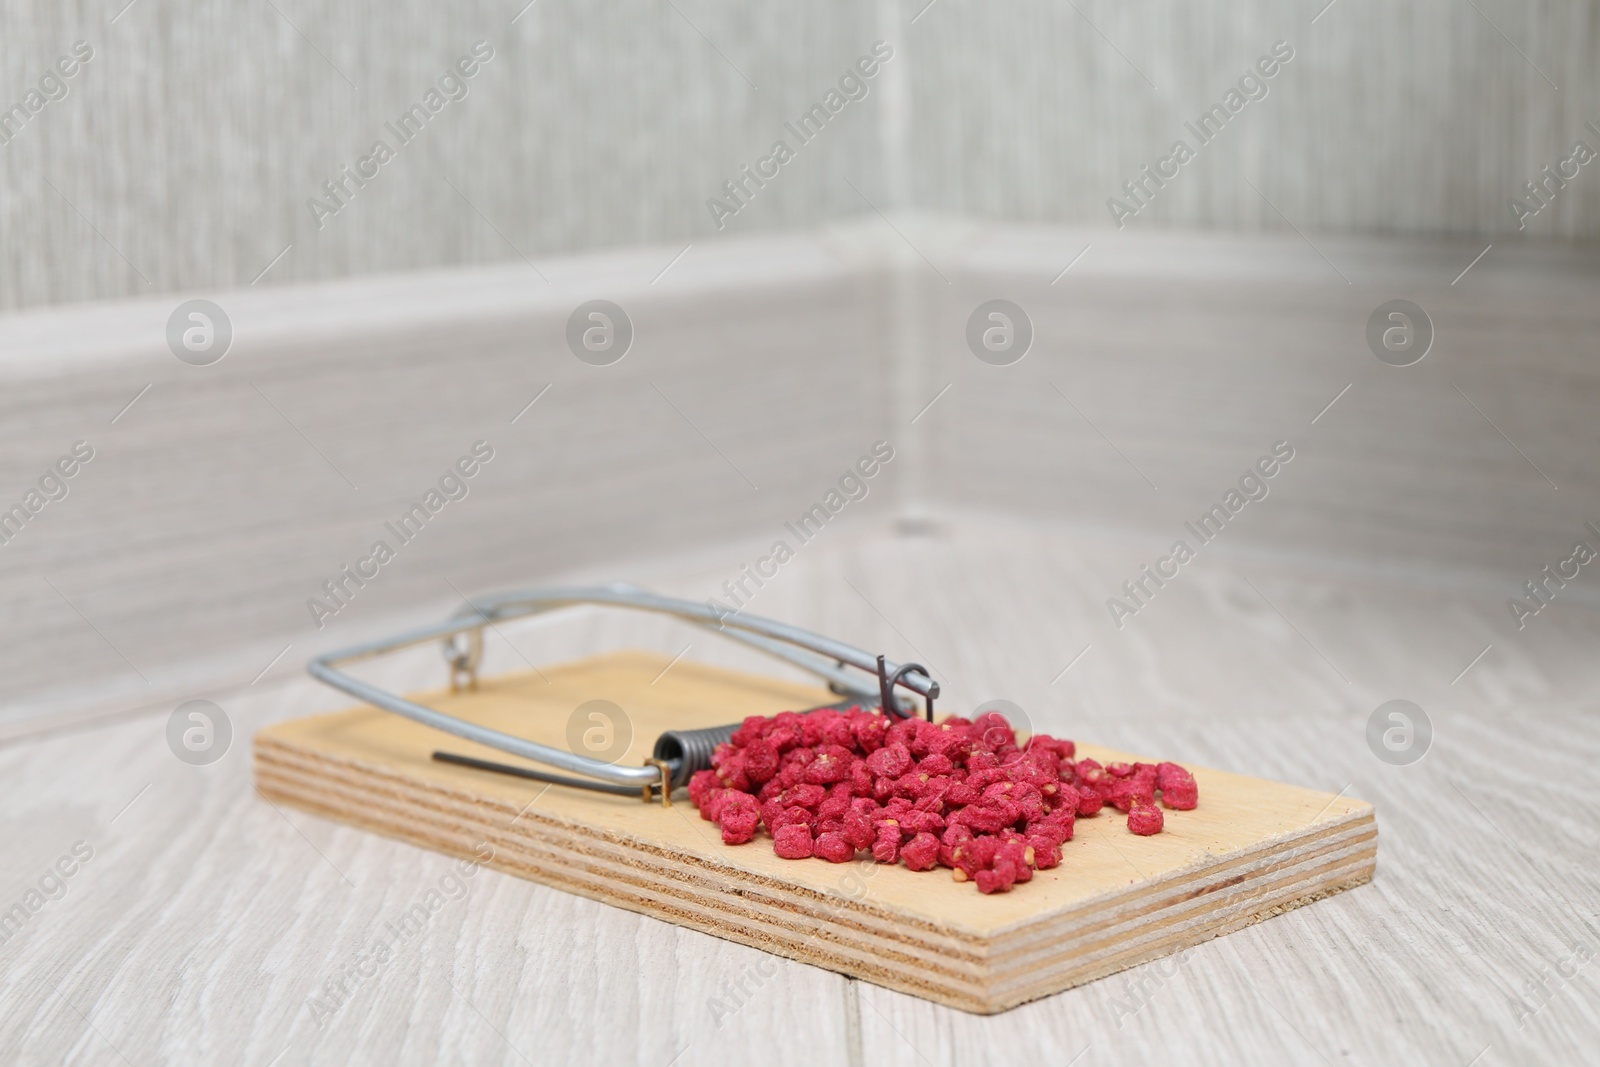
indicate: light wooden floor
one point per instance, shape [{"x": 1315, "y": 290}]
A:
[{"x": 207, "y": 918}]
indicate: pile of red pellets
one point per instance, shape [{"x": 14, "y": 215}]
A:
[{"x": 958, "y": 794}]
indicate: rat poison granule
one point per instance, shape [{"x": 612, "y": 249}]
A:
[{"x": 959, "y": 794}]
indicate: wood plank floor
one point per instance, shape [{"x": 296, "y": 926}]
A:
[{"x": 206, "y": 920}]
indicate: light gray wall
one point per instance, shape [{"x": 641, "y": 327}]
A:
[
  {"x": 187, "y": 148},
  {"x": 185, "y": 151},
  {"x": 1418, "y": 117}
]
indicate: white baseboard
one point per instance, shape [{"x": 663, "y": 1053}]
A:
[{"x": 1163, "y": 365}]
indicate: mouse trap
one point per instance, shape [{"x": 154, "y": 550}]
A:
[{"x": 574, "y": 776}]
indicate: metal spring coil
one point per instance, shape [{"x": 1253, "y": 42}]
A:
[{"x": 689, "y": 751}]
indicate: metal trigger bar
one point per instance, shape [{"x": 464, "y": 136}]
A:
[{"x": 678, "y": 753}]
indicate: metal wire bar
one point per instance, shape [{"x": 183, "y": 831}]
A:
[{"x": 768, "y": 635}]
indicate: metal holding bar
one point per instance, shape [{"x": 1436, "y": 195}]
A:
[
  {"x": 827, "y": 659},
  {"x": 535, "y": 775}
]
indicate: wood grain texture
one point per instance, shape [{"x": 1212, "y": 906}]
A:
[
  {"x": 1253, "y": 848},
  {"x": 207, "y": 918},
  {"x": 186, "y": 151},
  {"x": 184, "y": 155},
  {"x": 1423, "y": 118}
]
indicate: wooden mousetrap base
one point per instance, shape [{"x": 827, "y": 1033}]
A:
[{"x": 1252, "y": 849}]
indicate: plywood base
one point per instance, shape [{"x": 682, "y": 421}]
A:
[{"x": 1252, "y": 849}]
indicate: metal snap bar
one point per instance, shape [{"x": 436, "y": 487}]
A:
[
  {"x": 887, "y": 682},
  {"x": 678, "y": 754}
]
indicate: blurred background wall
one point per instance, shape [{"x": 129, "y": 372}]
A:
[{"x": 184, "y": 152}]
